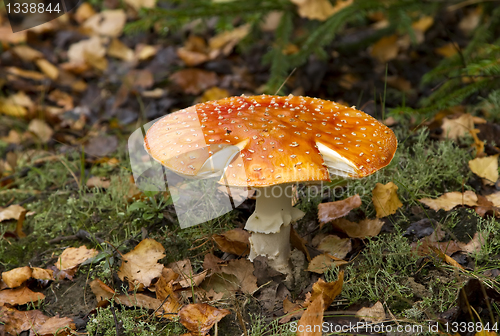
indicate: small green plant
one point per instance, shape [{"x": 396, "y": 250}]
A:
[{"x": 260, "y": 327}]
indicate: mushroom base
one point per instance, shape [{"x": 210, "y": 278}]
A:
[{"x": 270, "y": 226}]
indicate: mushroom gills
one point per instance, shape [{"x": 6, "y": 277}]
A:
[
  {"x": 336, "y": 163},
  {"x": 218, "y": 162}
]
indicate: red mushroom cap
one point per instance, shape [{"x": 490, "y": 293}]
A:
[{"x": 281, "y": 139}]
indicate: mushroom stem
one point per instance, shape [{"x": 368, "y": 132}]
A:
[{"x": 270, "y": 226}]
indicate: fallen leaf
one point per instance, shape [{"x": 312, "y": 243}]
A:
[
  {"x": 322, "y": 262},
  {"x": 224, "y": 42},
  {"x": 72, "y": 257},
  {"x": 56, "y": 326},
  {"x": 18, "y": 321},
  {"x": 107, "y": 23},
  {"x": 6, "y": 35},
  {"x": 212, "y": 263},
  {"x": 41, "y": 130},
  {"x": 26, "y": 53},
  {"x": 291, "y": 310},
  {"x": 194, "y": 51},
  {"x": 478, "y": 144},
  {"x": 83, "y": 12},
  {"x": 86, "y": 52},
  {"x": 363, "y": 229},
  {"x": 214, "y": 93},
  {"x": 194, "y": 81},
  {"x": 165, "y": 293},
  {"x": 242, "y": 269},
  {"x": 470, "y": 21},
  {"x": 399, "y": 83},
  {"x": 138, "y": 4},
  {"x": 199, "y": 318},
  {"x": 454, "y": 128},
  {"x": 61, "y": 98},
  {"x": 13, "y": 211},
  {"x": 187, "y": 277},
  {"x": 327, "y": 290},
  {"x": 140, "y": 266},
  {"x": 20, "y": 296},
  {"x": 235, "y": 241},
  {"x": 98, "y": 182},
  {"x": 16, "y": 105},
  {"x": 335, "y": 246},
  {"x": 42, "y": 273},
  {"x": 486, "y": 167},
  {"x": 299, "y": 243},
  {"x": 119, "y": 50},
  {"x": 474, "y": 245},
  {"x": 447, "y": 50},
  {"x": 494, "y": 198},
  {"x": 101, "y": 290},
  {"x": 333, "y": 210},
  {"x": 385, "y": 49},
  {"x": 446, "y": 258},
  {"x": 47, "y": 68},
  {"x": 374, "y": 314},
  {"x": 385, "y": 199},
  {"x": 319, "y": 9},
  {"x": 450, "y": 200},
  {"x": 310, "y": 324},
  {"x": 34, "y": 75},
  {"x": 16, "y": 277}
]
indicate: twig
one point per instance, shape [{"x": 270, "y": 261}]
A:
[{"x": 117, "y": 324}]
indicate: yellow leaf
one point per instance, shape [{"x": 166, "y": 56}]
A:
[
  {"x": 385, "y": 199},
  {"x": 385, "y": 49},
  {"x": 486, "y": 167},
  {"x": 450, "y": 200},
  {"x": 47, "y": 68},
  {"x": 454, "y": 128},
  {"x": 319, "y": 9},
  {"x": 447, "y": 50},
  {"x": 363, "y": 229},
  {"x": 375, "y": 314}
]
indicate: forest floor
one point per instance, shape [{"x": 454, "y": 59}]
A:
[{"x": 72, "y": 91}]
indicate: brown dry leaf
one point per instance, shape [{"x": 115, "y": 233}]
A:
[
  {"x": 6, "y": 35},
  {"x": 42, "y": 273},
  {"x": 333, "y": 210},
  {"x": 446, "y": 258},
  {"x": 242, "y": 269},
  {"x": 374, "y": 314},
  {"x": 486, "y": 167},
  {"x": 478, "y": 144},
  {"x": 385, "y": 49},
  {"x": 144, "y": 51},
  {"x": 447, "y": 50},
  {"x": 199, "y": 318},
  {"x": 474, "y": 245},
  {"x": 16, "y": 276},
  {"x": 98, "y": 182},
  {"x": 194, "y": 81},
  {"x": 47, "y": 68},
  {"x": 194, "y": 51},
  {"x": 119, "y": 50},
  {"x": 13, "y": 211},
  {"x": 310, "y": 324},
  {"x": 212, "y": 263},
  {"x": 107, "y": 23},
  {"x": 83, "y": 12},
  {"x": 399, "y": 83},
  {"x": 20, "y": 296},
  {"x": 319, "y": 9},
  {"x": 139, "y": 300},
  {"x": 494, "y": 198},
  {"x": 363, "y": 229},
  {"x": 187, "y": 277},
  {"x": 450, "y": 200},
  {"x": 26, "y": 53},
  {"x": 224, "y": 42},
  {"x": 299, "y": 243},
  {"x": 454, "y": 128},
  {"x": 470, "y": 21},
  {"x": 214, "y": 93},
  {"x": 72, "y": 257},
  {"x": 34, "y": 75},
  {"x": 12, "y": 138},
  {"x": 18, "y": 321},
  {"x": 235, "y": 241},
  {"x": 101, "y": 290},
  {"x": 328, "y": 290},
  {"x": 138, "y": 4},
  {"x": 291, "y": 310},
  {"x": 84, "y": 53},
  {"x": 322, "y": 262},
  {"x": 16, "y": 105},
  {"x": 41, "y": 130},
  {"x": 61, "y": 98},
  {"x": 55, "y": 326},
  {"x": 336, "y": 246},
  {"x": 164, "y": 289},
  {"x": 385, "y": 199},
  {"x": 140, "y": 265}
]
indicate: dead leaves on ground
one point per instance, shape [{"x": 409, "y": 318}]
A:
[{"x": 35, "y": 322}]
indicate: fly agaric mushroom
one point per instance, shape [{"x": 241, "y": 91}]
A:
[{"x": 279, "y": 141}]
